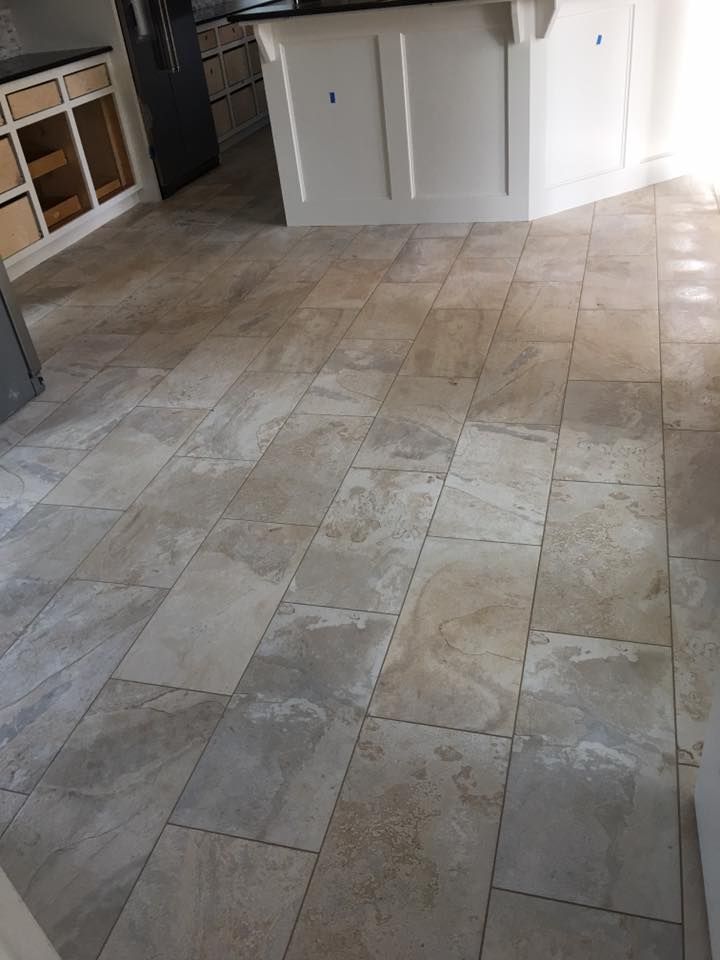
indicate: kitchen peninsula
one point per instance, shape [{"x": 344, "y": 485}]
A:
[{"x": 391, "y": 112}]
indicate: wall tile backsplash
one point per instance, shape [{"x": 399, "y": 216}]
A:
[{"x": 9, "y": 39}]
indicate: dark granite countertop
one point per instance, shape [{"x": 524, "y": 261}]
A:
[
  {"x": 26, "y": 64},
  {"x": 253, "y": 11}
]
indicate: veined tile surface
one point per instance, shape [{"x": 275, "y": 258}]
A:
[{"x": 297, "y": 488}]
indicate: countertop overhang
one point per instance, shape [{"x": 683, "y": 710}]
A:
[{"x": 26, "y": 64}]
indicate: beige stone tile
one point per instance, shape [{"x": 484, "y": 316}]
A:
[
  {"x": 76, "y": 363},
  {"x": 540, "y": 311},
  {"x": 202, "y": 258},
  {"x": 690, "y": 311},
  {"x": 120, "y": 467},
  {"x": 496, "y": 240},
  {"x": 264, "y": 310},
  {"x": 242, "y": 425},
  {"x": 425, "y": 261},
  {"x": 685, "y": 196},
  {"x": 300, "y": 472},
  {"x": 378, "y": 243},
  {"x": 356, "y": 378},
  {"x": 590, "y": 813},
  {"x": 628, "y": 234},
  {"x": 40, "y": 552},
  {"x": 477, "y": 282},
  {"x": 28, "y": 474},
  {"x": 297, "y": 712},
  {"x": 322, "y": 243},
  {"x": 16, "y": 427},
  {"x": 238, "y": 576},
  {"x": 272, "y": 242},
  {"x": 603, "y": 569},
  {"x": 695, "y": 596},
  {"x": 452, "y": 343},
  {"x": 636, "y": 201},
  {"x": 553, "y": 258},
  {"x": 695, "y": 920},
  {"x": 691, "y": 385},
  {"x": 87, "y": 417},
  {"x": 434, "y": 881},
  {"x": 418, "y": 424},
  {"x": 296, "y": 269},
  {"x": 61, "y": 324},
  {"x": 305, "y": 342},
  {"x": 689, "y": 248},
  {"x": 156, "y": 538},
  {"x": 611, "y": 432},
  {"x": 522, "y": 382},
  {"x": 226, "y": 286},
  {"x": 498, "y": 483},
  {"x": 576, "y": 221},
  {"x": 692, "y": 468},
  {"x": 425, "y": 231},
  {"x": 235, "y": 895},
  {"x": 171, "y": 338},
  {"x": 363, "y": 556},
  {"x": 572, "y": 932},
  {"x": 457, "y": 652},
  {"x": 347, "y": 284},
  {"x": 11, "y": 512},
  {"x": 620, "y": 283},
  {"x": 395, "y": 311},
  {"x": 616, "y": 345},
  {"x": 205, "y": 374}
]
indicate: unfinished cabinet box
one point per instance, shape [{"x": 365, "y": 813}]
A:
[
  {"x": 261, "y": 97},
  {"x": 42, "y": 96},
  {"x": 207, "y": 40},
  {"x": 230, "y": 32},
  {"x": 104, "y": 146},
  {"x": 18, "y": 226},
  {"x": 213, "y": 75},
  {"x": 221, "y": 116},
  {"x": 86, "y": 81},
  {"x": 55, "y": 168},
  {"x": 254, "y": 54},
  {"x": 237, "y": 67},
  {"x": 10, "y": 173},
  {"x": 243, "y": 105}
]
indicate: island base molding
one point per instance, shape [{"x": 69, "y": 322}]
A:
[{"x": 439, "y": 113}]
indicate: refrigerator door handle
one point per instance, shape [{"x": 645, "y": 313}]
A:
[{"x": 163, "y": 24}]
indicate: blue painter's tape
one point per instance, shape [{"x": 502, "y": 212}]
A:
[
  {"x": 599, "y": 40},
  {"x": 332, "y": 96}
]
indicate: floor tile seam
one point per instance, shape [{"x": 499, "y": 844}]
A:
[
  {"x": 588, "y": 906},
  {"x": 275, "y": 844}
]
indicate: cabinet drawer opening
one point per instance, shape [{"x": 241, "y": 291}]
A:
[{"x": 104, "y": 147}]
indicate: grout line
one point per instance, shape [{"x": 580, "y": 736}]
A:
[
  {"x": 237, "y": 836},
  {"x": 586, "y": 906},
  {"x": 440, "y": 726}
]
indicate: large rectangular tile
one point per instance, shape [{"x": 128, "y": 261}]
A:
[
  {"x": 560, "y": 258},
  {"x": 242, "y": 425},
  {"x": 692, "y": 468},
  {"x": 228, "y": 285},
  {"x": 347, "y": 284},
  {"x": 356, "y": 378},
  {"x": 591, "y": 807},
  {"x": 522, "y": 382},
  {"x": 689, "y": 248},
  {"x": 38, "y": 555},
  {"x": 477, "y": 282},
  {"x": 498, "y": 484},
  {"x": 457, "y": 653},
  {"x": 616, "y": 345},
  {"x": 414, "y": 831},
  {"x": 171, "y": 338},
  {"x": 265, "y": 309},
  {"x": 120, "y": 467},
  {"x": 273, "y": 242},
  {"x": 691, "y": 385},
  {"x": 695, "y": 920},
  {"x": 382, "y": 242},
  {"x": 79, "y": 361},
  {"x": 16, "y": 427},
  {"x": 611, "y": 432},
  {"x": 452, "y": 343},
  {"x": 80, "y": 841},
  {"x": 496, "y": 239},
  {"x": 395, "y": 311},
  {"x": 54, "y": 671},
  {"x": 301, "y": 470},
  {"x": 425, "y": 261},
  {"x": 100, "y": 405},
  {"x": 695, "y": 594},
  {"x": 235, "y": 898},
  {"x": 521, "y": 927},
  {"x": 635, "y": 201},
  {"x": 690, "y": 310},
  {"x": 540, "y": 311},
  {"x": 363, "y": 555},
  {"x": 305, "y": 342},
  {"x": 205, "y": 374},
  {"x": 624, "y": 234},
  {"x": 10, "y": 804},
  {"x": 418, "y": 424},
  {"x": 28, "y": 474},
  {"x": 155, "y": 539},
  {"x": 574, "y": 222},
  {"x": 620, "y": 283},
  {"x": 238, "y": 576},
  {"x": 603, "y": 569},
  {"x": 274, "y": 766}
]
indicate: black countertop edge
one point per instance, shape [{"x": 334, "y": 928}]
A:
[
  {"x": 26, "y": 64},
  {"x": 253, "y": 11}
]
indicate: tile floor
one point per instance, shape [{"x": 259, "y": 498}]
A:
[{"x": 336, "y": 615}]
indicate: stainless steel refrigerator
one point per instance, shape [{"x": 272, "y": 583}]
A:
[
  {"x": 162, "y": 44},
  {"x": 20, "y": 378}
]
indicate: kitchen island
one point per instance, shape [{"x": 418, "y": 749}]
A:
[{"x": 385, "y": 111}]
